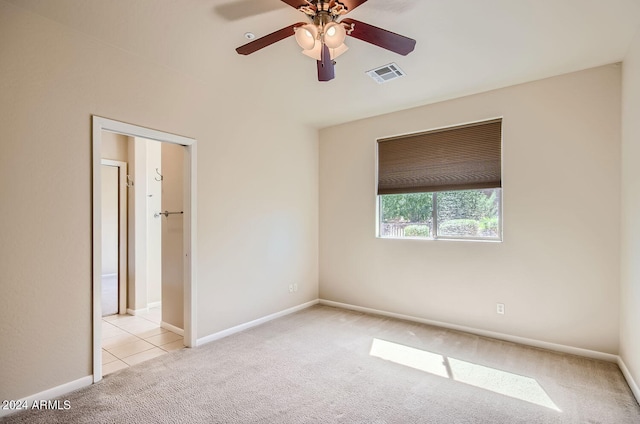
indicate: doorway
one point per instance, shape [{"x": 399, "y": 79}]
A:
[{"x": 186, "y": 295}]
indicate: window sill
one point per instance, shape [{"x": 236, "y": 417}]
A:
[{"x": 480, "y": 240}]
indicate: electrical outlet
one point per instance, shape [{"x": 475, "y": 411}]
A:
[
  {"x": 500, "y": 308},
  {"x": 295, "y": 287},
  {"x": 290, "y": 288}
]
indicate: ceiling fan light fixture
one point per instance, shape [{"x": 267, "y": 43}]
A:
[
  {"x": 322, "y": 36},
  {"x": 334, "y": 35},
  {"x": 316, "y": 52},
  {"x": 338, "y": 51},
  {"x": 306, "y": 36}
]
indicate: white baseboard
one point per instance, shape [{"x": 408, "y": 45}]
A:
[
  {"x": 55, "y": 392},
  {"x": 627, "y": 375},
  {"x": 143, "y": 311},
  {"x": 242, "y": 327},
  {"x": 115, "y": 274},
  {"x": 494, "y": 335},
  {"x": 140, "y": 311},
  {"x": 172, "y": 328}
]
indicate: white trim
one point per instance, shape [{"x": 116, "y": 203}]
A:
[
  {"x": 172, "y": 328},
  {"x": 494, "y": 335},
  {"x": 100, "y": 124},
  {"x": 254, "y": 323},
  {"x": 109, "y": 275},
  {"x": 141, "y": 311},
  {"x": 96, "y": 221},
  {"x": 630, "y": 381},
  {"x": 54, "y": 392},
  {"x": 157, "y": 304},
  {"x": 189, "y": 241}
]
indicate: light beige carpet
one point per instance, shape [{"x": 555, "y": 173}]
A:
[{"x": 327, "y": 365}]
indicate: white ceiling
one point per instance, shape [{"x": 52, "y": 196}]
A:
[{"x": 463, "y": 47}]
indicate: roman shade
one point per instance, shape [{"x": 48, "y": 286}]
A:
[{"x": 458, "y": 158}]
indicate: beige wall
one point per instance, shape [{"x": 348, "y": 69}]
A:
[
  {"x": 115, "y": 146},
  {"x": 557, "y": 270},
  {"x": 172, "y": 235},
  {"x": 257, "y": 194},
  {"x": 630, "y": 281}
]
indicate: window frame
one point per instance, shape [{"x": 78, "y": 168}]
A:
[
  {"x": 434, "y": 209},
  {"x": 434, "y": 217}
]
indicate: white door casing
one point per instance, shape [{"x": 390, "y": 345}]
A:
[{"x": 103, "y": 124}]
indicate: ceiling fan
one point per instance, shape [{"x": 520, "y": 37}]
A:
[{"x": 323, "y": 38}]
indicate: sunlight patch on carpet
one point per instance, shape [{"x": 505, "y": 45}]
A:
[{"x": 497, "y": 381}]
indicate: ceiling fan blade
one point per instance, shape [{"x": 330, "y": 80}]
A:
[
  {"x": 326, "y": 69},
  {"x": 240, "y": 9},
  {"x": 268, "y": 40},
  {"x": 380, "y": 37},
  {"x": 296, "y": 4},
  {"x": 352, "y": 4}
]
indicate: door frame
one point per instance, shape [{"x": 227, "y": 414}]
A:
[
  {"x": 100, "y": 124},
  {"x": 122, "y": 231}
]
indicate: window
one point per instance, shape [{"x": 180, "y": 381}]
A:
[
  {"x": 442, "y": 184},
  {"x": 446, "y": 214}
]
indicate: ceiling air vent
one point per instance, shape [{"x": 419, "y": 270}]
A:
[{"x": 386, "y": 73}]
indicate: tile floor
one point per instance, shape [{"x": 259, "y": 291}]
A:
[{"x": 128, "y": 340}]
